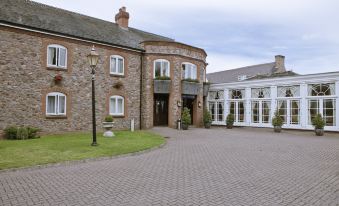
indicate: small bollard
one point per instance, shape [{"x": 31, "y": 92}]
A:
[
  {"x": 179, "y": 124},
  {"x": 132, "y": 125}
]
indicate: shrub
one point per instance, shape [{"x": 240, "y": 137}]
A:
[
  {"x": 277, "y": 120},
  {"x": 186, "y": 116},
  {"x": 230, "y": 120},
  {"x": 207, "y": 117},
  {"x": 21, "y": 133},
  {"x": 108, "y": 118},
  {"x": 318, "y": 122}
]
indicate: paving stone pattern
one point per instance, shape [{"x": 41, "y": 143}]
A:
[{"x": 197, "y": 167}]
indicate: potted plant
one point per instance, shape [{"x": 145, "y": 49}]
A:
[
  {"x": 57, "y": 78},
  {"x": 319, "y": 124},
  {"x": 229, "y": 121},
  {"x": 118, "y": 85},
  {"x": 185, "y": 118},
  {"x": 207, "y": 119},
  {"x": 108, "y": 125},
  {"x": 277, "y": 122}
]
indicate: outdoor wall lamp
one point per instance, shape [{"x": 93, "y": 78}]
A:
[
  {"x": 199, "y": 104},
  {"x": 179, "y": 103},
  {"x": 92, "y": 58}
]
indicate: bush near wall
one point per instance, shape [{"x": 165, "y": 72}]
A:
[{"x": 21, "y": 133}]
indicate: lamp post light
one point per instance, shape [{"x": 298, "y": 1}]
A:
[{"x": 92, "y": 58}]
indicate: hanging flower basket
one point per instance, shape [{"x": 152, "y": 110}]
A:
[
  {"x": 57, "y": 78},
  {"x": 118, "y": 85}
]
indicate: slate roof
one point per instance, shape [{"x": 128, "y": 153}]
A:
[
  {"x": 232, "y": 74},
  {"x": 47, "y": 18}
]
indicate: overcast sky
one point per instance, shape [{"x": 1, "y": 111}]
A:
[{"x": 236, "y": 33}]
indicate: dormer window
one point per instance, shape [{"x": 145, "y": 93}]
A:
[
  {"x": 56, "y": 56},
  {"x": 242, "y": 77}
]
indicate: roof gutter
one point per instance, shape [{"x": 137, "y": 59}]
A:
[{"x": 42, "y": 31}]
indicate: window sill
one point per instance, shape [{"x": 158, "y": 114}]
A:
[
  {"x": 117, "y": 75},
  {"x": 117, "y": 116},
  {"x": 56, "y": 117},
  {"x": 56, "y": 68}
]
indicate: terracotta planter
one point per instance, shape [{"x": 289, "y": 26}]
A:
[
  {"x": 319, "y": 132},
  {"x": 184, "y": 126},
  {"x": 277, "y": 129},
  {"x": 229, "y": 126}
]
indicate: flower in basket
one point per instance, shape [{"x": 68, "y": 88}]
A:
[{"x": 57, "y": 78}]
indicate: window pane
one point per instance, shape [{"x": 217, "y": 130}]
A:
[
  {"x": 112, "y": 106},
  {"x": 62, "y": 104},
  {"x": 194, "y": 72},
  {"x": 51, "y": 104},
  {"x": 294, "y": 113},
  {"x": 313, "y": 108},
  {"x": 120, "y": 106},
  {"x": 282, "y": 108},
  {"x": 266, "y": 105},
  {"x": 157, "y": 70},
  {"x": 329, "y": 112},
  {"x": 241, "y": 112},
  {"x": 255, "y": 111},
  {"x": 62, "y": 57},
  {"x": 113, "y": 65},
  {"x": 52, "y": 56},
  {"x": 220, "y": 111},
  {"x": 120, "y": 66},
  {"x": 212, "y": 110}
]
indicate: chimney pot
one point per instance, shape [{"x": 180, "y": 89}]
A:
[{"x": 122, "y": 17}]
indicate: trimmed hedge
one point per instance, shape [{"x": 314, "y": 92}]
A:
[{"x": 21, "y": 133}]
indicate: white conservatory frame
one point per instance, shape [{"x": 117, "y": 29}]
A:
[{"x": 273, "y": 83}]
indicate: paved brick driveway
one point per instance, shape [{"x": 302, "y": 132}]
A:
[{"x": 196, "y": 167}]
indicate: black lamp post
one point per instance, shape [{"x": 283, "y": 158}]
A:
[{"x": 93, "y": 60}]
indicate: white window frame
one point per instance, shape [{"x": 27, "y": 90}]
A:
[
  {"x": 116, "y": 97},
  {"x": 195, "y": 76},
  {"x": 161, "y": 67},
  {"x": 117, "y": 57},
  {"x": 58, "y": 49},
  {"x": 57, "y": 95}
]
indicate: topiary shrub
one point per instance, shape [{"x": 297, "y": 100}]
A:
[
  {"x": 207, "y": 118},
  {"x": 277, "y": 120},
  {"x": 229, "y": 121},
  {"x": 186, "y": 118},
  {"x": 318, "y": 122},
  {"x": 109, "y": 118}
]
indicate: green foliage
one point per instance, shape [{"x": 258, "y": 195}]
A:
[
  {"x": 109, "y": 118},
  {"x": 207, "y": 117},
  {"x": 191, "y": 80},
  {"x": 21, "y": 133},
  {"x": 277, "y": 120},
  {"x": 186, "y": 116},
  {"x": 230, "y": 119},
  {"x": 162, "y": 78},
  {"x": 318, "y": 122}
]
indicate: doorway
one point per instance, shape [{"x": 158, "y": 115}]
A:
[
  {"x": 188, "y": 101},
  {"x": 160, "y": 112}
]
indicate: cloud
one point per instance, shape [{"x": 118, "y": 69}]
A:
[{"x": 236, "y": 32}]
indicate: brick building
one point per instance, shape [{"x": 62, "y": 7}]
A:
[{"x": 46, "y": 82}]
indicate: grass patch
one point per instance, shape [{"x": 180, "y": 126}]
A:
[{"x": 72, "y": 146}]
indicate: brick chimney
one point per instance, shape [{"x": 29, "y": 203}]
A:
[
  {"x": 122, "y": 18},
  {"x": 280, "y": 64}
]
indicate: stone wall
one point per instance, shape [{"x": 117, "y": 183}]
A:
[
  {"x": 176, "y": 54},
  {"x": 25, "y": 81}
]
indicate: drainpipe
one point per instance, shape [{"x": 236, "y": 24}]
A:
[{"x": 141, "y": 87}]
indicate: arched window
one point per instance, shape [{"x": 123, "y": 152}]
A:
[
  {"x": 56, "y": 56},
  {"x": 116, "y": 105},
  {"x": 117, "y": 65},
  {"x": 161, "y": 68},
  {"x": 189, "y": 71},
  {"x": 55, "y": 103}
]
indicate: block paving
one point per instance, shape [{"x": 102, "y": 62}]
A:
[{"x": 242, "y": 166}]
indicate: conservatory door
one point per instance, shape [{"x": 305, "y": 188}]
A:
[
  {"x": 289, "y": 110},
  {"x": 261, "y": 112},
  {"x": 237, "y": 108}
]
